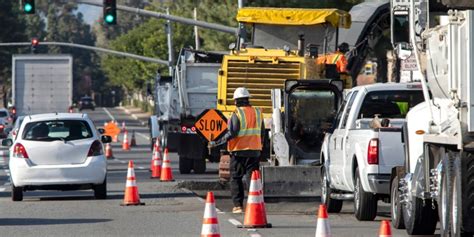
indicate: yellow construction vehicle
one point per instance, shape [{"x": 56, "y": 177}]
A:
[{"x": 285, "y": 45}]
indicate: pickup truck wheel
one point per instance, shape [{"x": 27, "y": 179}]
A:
[
  {"x": 199, "y": 166},
  {"x": 332, "y": 205},
  {"x": 17, "y": 193},
  {"x": 365, "y": 204},
  {"x": 185, "y": 165},
  {"x": 396, "y": 207}
]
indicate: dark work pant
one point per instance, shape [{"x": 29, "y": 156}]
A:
[{"x": 240, "y": 166}]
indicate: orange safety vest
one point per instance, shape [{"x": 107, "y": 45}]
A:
[
  {"x": 336, "y": 58},
  {"x": 249, "y": 136}
]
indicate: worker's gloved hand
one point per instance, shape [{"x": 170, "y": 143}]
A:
[{"x": 211, "y": 144}]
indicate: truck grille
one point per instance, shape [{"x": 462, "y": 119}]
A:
[{"x": 259, "y": 77}]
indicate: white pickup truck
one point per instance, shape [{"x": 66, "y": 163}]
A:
[{"x": 358, "y": 153}]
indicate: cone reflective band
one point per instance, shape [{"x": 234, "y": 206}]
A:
[
  {"x": 131, "y": 196},
  {"x": 255, "y": 216},
  {"x": 385, "y": 230},
  {"x": 166, "y": 173},
  {"x": 210, "y": 224},
  {"x": 322, "y": 227}
]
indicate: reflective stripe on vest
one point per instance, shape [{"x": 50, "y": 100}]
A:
[{"x": 249, "y": 135}]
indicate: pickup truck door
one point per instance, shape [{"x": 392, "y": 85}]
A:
[{"x": 338, "y": 141}]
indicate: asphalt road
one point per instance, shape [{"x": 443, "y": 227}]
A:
[{"x": 169, "y": 210}]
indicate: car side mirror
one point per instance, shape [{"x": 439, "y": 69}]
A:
[
  {"x": 101, "y": 130},
  {"x": 106, "y": 139},
  {"x": 7, "y": 142}
]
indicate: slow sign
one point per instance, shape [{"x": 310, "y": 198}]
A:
[
  {"x": 111, "y": 129},
  {"x": 211, "y": 124}
]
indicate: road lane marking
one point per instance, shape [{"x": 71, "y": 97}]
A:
[
  {"x": 235, "y": 222},
  {"x": 143, "y": 135},
  {"x": 254, "y": 234},
  {"x": 108, "y": 113}
]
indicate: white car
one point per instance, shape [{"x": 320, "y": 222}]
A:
[{"x": 57, "y": 152}]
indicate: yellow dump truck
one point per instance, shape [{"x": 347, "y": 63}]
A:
[{"x": 285, "y": 44}]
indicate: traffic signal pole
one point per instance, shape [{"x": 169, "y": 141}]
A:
[
  {"x": 183, "y": 20},
  {"x": 109, "y": 51}
]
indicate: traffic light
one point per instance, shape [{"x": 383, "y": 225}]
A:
[
  {"x": 110, "y": 12},
  {"x": 28, "y": 6},
  {"x": 34, "y": 44}
]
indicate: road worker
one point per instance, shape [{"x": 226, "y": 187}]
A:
[{"x": 244, "y": 142}]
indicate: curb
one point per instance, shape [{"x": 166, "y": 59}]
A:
[{"x": 143, "y": 123}]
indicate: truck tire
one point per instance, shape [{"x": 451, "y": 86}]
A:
[
  {"x": 17, "y": 193},
  {"x": 396, "y": 206},
  {"x": 332, "y": 205},
  {"x": 365, "y": 204},
  {"x": 199, "y": 166},
  {"x": 444, "y": 197},
  {"x": 420, "y": 218},
  {"x": 463, "y": 200},
  {"x": 185, "y": 165}
]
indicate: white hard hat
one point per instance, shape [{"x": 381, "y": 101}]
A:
[{"x": 241, "y": 92}]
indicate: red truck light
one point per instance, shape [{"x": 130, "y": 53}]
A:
[{"x": 373, "y": 152}]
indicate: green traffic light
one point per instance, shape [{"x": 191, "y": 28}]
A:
[
  {"x": 109, "y": 18},
  {"x": 28, "y": 7}
]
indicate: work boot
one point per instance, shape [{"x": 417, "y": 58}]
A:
[{"x": 237, "y": 210}]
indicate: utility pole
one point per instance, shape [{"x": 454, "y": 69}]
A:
[
  {"x": 196, "y": 32},
  {"x": 169, "y": 37}
]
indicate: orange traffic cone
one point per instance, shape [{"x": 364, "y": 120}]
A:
[
  {"x": 124, "y": 128},
  {"x": 210, "y": 224},
  {"x": 115, "y": 138},
  {"x": 156, "y": 168},
  {"x": 255, "y": 216},
  {"x": 131, "y": 190},
  {"x": 108, "y": 151},
  {"x": 133, "y": 142},
  {"x": 322, "y": 228},
  {"x": 385, "y": 230},
  {"x": 166, "y": 173},
  {"x": 125, "y": 144}
]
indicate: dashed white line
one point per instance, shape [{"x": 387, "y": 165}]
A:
[
  {"x": 235, "y": 222},
  {"x": 254, "y": 234},
  {"x": 143, "y": 135}
]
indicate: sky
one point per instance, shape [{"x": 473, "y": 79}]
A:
[{"x": 91, "y": 13}]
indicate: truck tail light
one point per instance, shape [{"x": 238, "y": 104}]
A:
[
  {"x": 96, "y": 149},
  {"x": 19, "y": 151},
  {"x": 373, "y": 152},
  {"x": 183, "y": 129},
  {"x": 193, "y": 129},
  {"x": 2, "y": 127}
]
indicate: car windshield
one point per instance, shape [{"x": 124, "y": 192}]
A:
[
  {"x": 389, "y": 104},
  {"x": 64, "y": 130},
  {"x": 3, "y": 114}
]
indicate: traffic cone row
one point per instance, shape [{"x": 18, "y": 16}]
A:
[
  {"x": 255, "y": 214},
  {"x": 131, "y": 197},
  {"x": 166, "y": 173},
  {"x": 125, "y": 144},
  {"x": 108, "y": 151},
  {"x": 210, "y": 224}
]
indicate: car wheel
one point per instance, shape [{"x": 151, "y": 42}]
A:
[
  {"x": 185, "y": 165},
  {"x": 199, "y": 166},
  {"x": 365, "y": 204},
  {"x": 100, "y": 191},
  {"x": 332, "y": 205},
  {"x": 396, "y": 207},
  {"x": 17, "y": 193}
]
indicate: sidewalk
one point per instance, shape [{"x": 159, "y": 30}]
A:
[{"x": 137, "y": 114}]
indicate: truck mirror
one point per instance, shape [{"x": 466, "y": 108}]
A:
[{"x": 106, "y": 139}]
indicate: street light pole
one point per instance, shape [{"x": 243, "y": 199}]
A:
[{"x": 169, "y": 36}]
